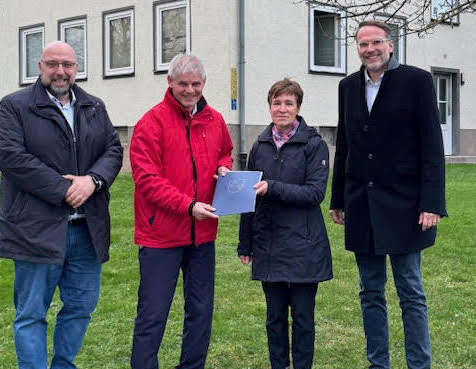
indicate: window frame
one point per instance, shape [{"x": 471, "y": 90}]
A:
[
  {"x": 340, "y": 42},
  {"x": 63, "y": 24},
  {"x": 158, "y": 7},
  {"x": 107, "y": 16},
  {"x": 454, "y": 20},
  {"x": 22, "y": 33}
]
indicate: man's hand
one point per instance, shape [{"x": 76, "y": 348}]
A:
[
  {"x": 245, "y": 259},
  {"x": 82, "y": 187},
  {"x": 261, "y": 188},
  {"x": 202, "y": 211},
  {"x": 428, "y": 220},
  {"x": 337, "y": 216},
  {"x": 221, "y": 171}
]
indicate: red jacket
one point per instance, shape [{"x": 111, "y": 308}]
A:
[{"x": 163, "y": 156}]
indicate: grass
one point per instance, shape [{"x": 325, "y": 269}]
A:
[{"x": 239, "y": 338}]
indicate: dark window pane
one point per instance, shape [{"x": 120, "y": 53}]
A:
[
  {"x": 120, "y": 43},
  {"x": 34, "y": 46},
  {"x": 442, "y": 94},
  {"x": 324, "y": 39},
  {"x": 395, "y": 37},
  {"x": 442, "y": 107},
  {"x": 75, "y": 37},
  {"x": 173, "y": 33}
]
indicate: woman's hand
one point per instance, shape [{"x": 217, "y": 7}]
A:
[
  {"x": 221, "y": 171},
  {"x": 261, "y": 188},
  {"x": 245, "y": 259}
]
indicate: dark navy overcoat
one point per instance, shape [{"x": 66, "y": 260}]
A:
[{"x": 389, "y": 164}]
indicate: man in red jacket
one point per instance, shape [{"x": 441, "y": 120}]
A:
[{"x": 177, "y": 150}]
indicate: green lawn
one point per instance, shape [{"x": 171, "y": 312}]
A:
[{"x": 239, "y": 338}]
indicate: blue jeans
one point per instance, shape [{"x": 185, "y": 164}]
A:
[
  {"x": 159, "y": 271},
  {"x": 408, "y": 279},
  {"x": 78, "y": 280}
]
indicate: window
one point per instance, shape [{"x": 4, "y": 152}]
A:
[
  {"x": 440, "y": 7},
  {"x": 327, "y": 40},
  {"x": 171, "y": 31},
  {"x": 32, "y": 42},
  {"x": 73, "y": 31},
  {"x": 397, "y": 34},
  {"x": 118, "y": 42}
]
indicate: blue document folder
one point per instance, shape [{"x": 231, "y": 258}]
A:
[{"x": 234, "y": 192}]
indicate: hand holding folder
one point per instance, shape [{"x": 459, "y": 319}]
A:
[{"x": 234, "y": 192}]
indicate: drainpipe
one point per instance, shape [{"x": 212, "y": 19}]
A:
[{"x": 241, "y": 88}]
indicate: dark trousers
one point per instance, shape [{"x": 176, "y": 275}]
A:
[
  {"x": 300, "y": 298},
  {"x": 159, "y": 270}
]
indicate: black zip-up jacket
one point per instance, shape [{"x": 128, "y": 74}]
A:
[
  {"x": 286, "y": 235},
  {"x": 37, "y": 147}
]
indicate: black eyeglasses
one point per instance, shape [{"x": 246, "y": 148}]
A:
[{"x": 52, "y": 64}]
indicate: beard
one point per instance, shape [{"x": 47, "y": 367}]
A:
[
  {"x": 379, "y": 65},
  {"x": 57, "y": 91},
  {"x": 376, "y": 66}
]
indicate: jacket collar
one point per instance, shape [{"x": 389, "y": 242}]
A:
[
  {"x": 170, "y": 100},
  {"x": 393, "y": 64},
  {"x": 302, "y": 134},
  {"x": 41, "y": 98},
  {"x": 43, "y": 106}
]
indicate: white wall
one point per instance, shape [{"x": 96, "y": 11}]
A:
[
  {"x": 451, "y": 47},
  {"x": 214, "y": 40},
  {"x": 276, "y": 47}
]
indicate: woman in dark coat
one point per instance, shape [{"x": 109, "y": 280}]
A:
[{"x": 285, "y": 238}]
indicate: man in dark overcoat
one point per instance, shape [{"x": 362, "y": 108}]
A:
[
  {"x": 388, "y": 181},
  {"x": 59, "y": 153}
]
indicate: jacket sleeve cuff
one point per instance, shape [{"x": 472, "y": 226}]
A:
[{"x": 190, "y": 207}]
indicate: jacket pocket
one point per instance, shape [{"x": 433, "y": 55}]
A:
[{"x": 16, "y": 207}]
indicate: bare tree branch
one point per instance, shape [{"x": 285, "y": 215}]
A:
[{"x": 420, "y": 16}]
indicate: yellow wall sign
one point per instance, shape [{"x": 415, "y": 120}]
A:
[{"x": 234, "y": 87}]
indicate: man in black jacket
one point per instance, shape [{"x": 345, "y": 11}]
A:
[
  {"x": 59, "y": 153},
  {"x": 388, "y": 180}
]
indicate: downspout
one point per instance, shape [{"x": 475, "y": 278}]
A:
[{"x": 241, "y": 87}]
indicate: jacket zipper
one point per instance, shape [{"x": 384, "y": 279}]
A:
[
  {"x": 74, "y": 139},
  {"x": 73, "y": 135},
  {"x": 188, "y": 123},
  {"x": 271, "y": 248}
]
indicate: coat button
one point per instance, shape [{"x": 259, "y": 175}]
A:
[
  {"x": 370, "y": 184},
  {"x": 365, "y": 128},
  {"x": 370, "y": 156},
  {"x": 275, "y": 157}
]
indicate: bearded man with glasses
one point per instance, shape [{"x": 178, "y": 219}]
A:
[
  {"x": 59, "y": 153},
  {"x": 388, "y": 187}
]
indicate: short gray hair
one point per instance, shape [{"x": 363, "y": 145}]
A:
[{"x": 185, "y": 63}]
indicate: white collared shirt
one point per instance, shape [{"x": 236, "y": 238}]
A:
[{"x": 371, "y": 89}]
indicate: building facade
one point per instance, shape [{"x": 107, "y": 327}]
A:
[{"x": 124, "y": 47}]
